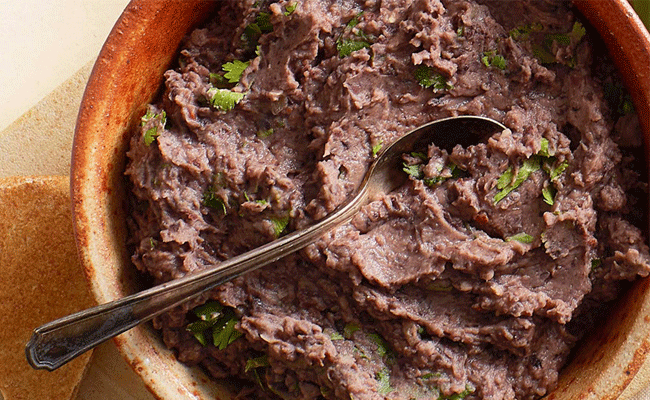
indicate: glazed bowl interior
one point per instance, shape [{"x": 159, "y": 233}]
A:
[{"x": 128, "y": 75}]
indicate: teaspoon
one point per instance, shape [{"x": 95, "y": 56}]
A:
[{"x": 55, "y": 343}]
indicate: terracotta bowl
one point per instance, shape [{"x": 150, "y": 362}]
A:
[{"x": 128, "y": 74}]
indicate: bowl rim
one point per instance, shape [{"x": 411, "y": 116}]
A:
[{"x": 93, "y": 184}]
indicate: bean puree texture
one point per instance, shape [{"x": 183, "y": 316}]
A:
[{"x": 473, "y": 280}]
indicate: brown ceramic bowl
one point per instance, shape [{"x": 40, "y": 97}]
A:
[{"x": 128, "y": 74}]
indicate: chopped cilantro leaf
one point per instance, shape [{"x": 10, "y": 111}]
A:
[
  {"x": 234, "y": 70},
  {"x": 355, "y": 20},
  {"x": 208, "y": 315},
  {"x": 264, "y": 133},
  {"x": 434, "y": 181},
  {"x": 505, "y": 179},
  {"x": 459, "y": 396},
  {"x": 290, "y": 8},
  {"x": 427, "y": 77},
  {"x": 543, "y": 51},
  {"x": 345, "y": 47},
  {"x": 263, "y": 21},
  {"x": 383, "y": 381},
  {"x": 223, "y": 335},
  {"x": 543, "y": 55},
  {"x": 258, "y": 362},
  {"x": 548, "y": 194},
  {"x": 440, "y": 286},
  {"x": 349, "y": 329},
  {"x": 595, "y": 263},
  {"x": 359, "y": 41},
  {"x": 521, "y": 237},
  {"x": 543, "y": 151},
  {"x": 506, "y": 182},
  {"x": 224, "y": 99},
  {"x": 198, "y": 331},
  {"x": 523, "y": 32},
  {"x": 376, "y": 148},
  {"x": 208, "y": 311},
  {"x": 254, "y": 30},
  {"x": 326, "y": 392},
  {"x": 453, "y": 170},
  {"x": 147, "y": 116},
  {"x": 219, "y": 81},
  {"x": 279, "y": 225},
  {"x": 150, "y": 135},
  {"x": 414, "y": 171},
  {"x": 627, "y": 107},
  {"x": 492, "y": 59},
  {"x": 557, "y": 171},
  {"x": 382, "y": 345},
  {"x": 210, "y": 199},
  {"x": 213, "y": 316},
  {"x": 577, "y": 33},
  {"x": 420, "y": 155}
]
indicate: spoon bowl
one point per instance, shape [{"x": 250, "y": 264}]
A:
[{"x": 56, "y": 343}]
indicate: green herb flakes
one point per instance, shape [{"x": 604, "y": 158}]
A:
[
  {"x": 523, "y": 32},
  {"x": 382, "y": 346},
  {"x": 218, "y": 319},
  {"x": 414, "y": 171},
  {"x": 345, "y": 47},
  {"x": 543, "y": 151},
  {"x": 210, "y": 199},
  {"x": 264, "y": 133},
  {"x": 427, "y": 77},
  {"x": 290, "y": 8},
  {"x": 521, "y": 237},
  {"x": 358, "y": 40},
  {"x": 349, "y": 329},
  {"x": 376, "y": 148},
  {"x": 595, "y": 263},
  {"x": 254, "y": 30},
  {"x": 223, "y": 335},
  {"x": 258, "y": 362},
  {"x": 279, "y": 225},
  {"x": 548, "y": 194},
  {"x": 544, "y": 51},
  {"x": 234, "y": 70},
  {"x": 150, "y": 136},
  {"x": 574, "y": 36},
  {"x": 420, "y": 155},
  {"x": 383, "y": 381},
  {"x": 224, "y": 99},
  {"x": 492, "y": 59},
  {"x": 508, "y": 182},
  {"x": 263, "y": 21},
  {"x": 469, "y": 389},
  {"x": 152, "y": 133}
]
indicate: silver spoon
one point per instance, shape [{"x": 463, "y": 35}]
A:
[{"x": 54, "y": 344}]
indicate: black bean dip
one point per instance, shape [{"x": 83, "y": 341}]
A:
[{"x": 473, "y": 280}]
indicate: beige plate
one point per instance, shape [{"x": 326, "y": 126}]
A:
[{"x": 127, "y": 76}]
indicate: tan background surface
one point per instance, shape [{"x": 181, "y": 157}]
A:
[
  {"x": 47, "y": 49},
  {"x": 46, "y": 53}
]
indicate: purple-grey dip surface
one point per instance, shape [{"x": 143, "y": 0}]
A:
[{"x": 473, "y": 280}]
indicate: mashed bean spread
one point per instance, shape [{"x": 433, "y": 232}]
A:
[{"x": 473, "y": 280}]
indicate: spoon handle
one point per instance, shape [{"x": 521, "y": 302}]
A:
[{"x": 54, "y": 344}]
